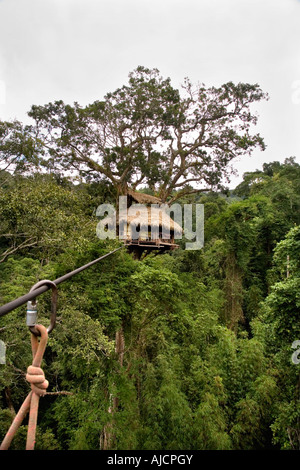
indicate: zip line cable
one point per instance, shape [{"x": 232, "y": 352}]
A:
[
  {"x": 40, "y": 290},
  {"x": 35, "y": 375}
]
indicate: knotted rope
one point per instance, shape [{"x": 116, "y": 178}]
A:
[{"x": 35, "y": 376}]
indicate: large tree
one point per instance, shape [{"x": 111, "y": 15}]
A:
[
  {"x": 19, "y": 149},
  {"x": 147, "y": 132}
]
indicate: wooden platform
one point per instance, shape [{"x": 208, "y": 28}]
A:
[{"x": 140, "y": 247}]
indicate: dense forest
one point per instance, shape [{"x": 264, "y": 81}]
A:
[{"x": 208, "y": 334}]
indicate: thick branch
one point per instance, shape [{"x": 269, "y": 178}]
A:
[
  {"x": 10, "y": 251},
  {"x": 187, "y": 192}
]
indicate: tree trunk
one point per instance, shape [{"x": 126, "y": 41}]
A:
[
  {"x": 9, "y": 402},
  {"x": 107, "y": 437}
]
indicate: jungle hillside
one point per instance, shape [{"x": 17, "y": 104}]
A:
[{"x": 188, "y": 350}]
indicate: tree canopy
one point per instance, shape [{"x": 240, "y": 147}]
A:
[
  {"x": 147, "y": 132},
  {"x": 204, "y": 357}
]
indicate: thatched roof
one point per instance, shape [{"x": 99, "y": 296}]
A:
[
  {"x": 142, "y": 198},
  {"x": 155, "y": 217}
]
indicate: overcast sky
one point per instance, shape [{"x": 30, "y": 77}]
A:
[{"x": 78, "y": 50}]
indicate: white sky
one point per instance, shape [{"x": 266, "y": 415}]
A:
[{"x": 78, "y": 50}]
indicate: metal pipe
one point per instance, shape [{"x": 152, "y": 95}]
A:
[{"x": 40, "y": 290}]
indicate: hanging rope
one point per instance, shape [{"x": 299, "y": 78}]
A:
[{"x": 35, "y": 376}]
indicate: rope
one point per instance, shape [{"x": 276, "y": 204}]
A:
[{"x": 35, "y": 376}]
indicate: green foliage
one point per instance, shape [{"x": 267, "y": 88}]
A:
[
  {"x": 147, "y": 131},
  {"x": 207, "y": 334}
]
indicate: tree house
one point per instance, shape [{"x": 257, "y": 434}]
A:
[{"x": 149, "y": 229}]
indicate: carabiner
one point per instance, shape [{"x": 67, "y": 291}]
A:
[{"x": 32, "y": 311}]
